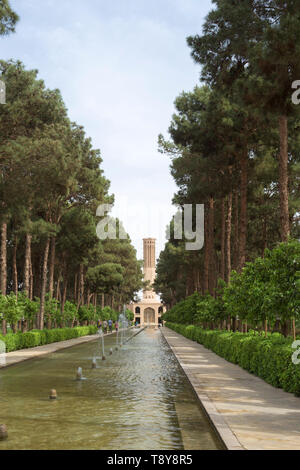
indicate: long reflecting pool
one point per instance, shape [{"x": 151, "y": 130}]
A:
[{"x": 139, "y": 398}]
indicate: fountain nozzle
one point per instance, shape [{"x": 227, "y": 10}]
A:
[
  {"x": 79, "y": 374},
  {"x": 53, "y": 394},
  {"x": 3, "y": 432}
]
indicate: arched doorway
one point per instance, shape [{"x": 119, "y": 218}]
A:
[{"x": 149, "y": 315}]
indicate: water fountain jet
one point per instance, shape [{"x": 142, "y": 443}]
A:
[
  {"x": 3, "y": 432},
  {"x": 100, "y": 333},
  {"x": 79, "y": 374}
]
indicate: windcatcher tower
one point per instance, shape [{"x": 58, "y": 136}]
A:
[
  {"x": 149, "y": 266},
  {"x": 150, "y": 309}
]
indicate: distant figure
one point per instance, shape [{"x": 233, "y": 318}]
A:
[
  {"x": 105, "y": 326},
  {"x": 117, "y": 326},
  {"x": 110, "y": 323}
]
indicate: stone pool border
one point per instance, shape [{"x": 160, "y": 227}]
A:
[
  {"x": 217, "y": 421},
  {"x": 15, "y": 357}
]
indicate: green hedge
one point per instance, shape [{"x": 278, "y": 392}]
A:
[
  {"x": 269, "y": 358},
  {"x": 35, "y": 338}
]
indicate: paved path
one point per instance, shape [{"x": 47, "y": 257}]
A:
[
  {"x": 247, "y": 412},
  {"x": 26, "y": 354}
]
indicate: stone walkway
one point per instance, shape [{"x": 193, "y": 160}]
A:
[
  {"x": 26, "y": 354},
  {"x": 247, "y": 412}
]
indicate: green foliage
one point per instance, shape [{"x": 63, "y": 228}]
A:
[
  {"x": 129, "y": 315},
  {"x": 35, "y": 338},
  {"x": 86, "y": 313},
  {"x": 51, "y": 309},
  {"x": 229, "y": 151},
  {"x": 186, "y": 310},
  {"x": 107, "y": 313},
  {"x": 267, "y": 289},
  {"x": 8, "y": 18},
  {"x": 29, "y": 307},
  {"x": 108, "y": 277},
  {"x": 51, "y": 183},
  {"x": 269, "y": 358},
  {"x": 70, "y": 311},
  {"x": 10, "y": 308}
]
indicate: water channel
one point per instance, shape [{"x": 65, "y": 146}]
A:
[{"x": 139, "y": 398}]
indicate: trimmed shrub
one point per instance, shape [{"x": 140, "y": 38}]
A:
[
  {"x": 269, "y": 358},
  {"x": 31, "y": 339}
]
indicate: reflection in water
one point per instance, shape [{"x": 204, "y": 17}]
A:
[{"x": 138, "y": 399}]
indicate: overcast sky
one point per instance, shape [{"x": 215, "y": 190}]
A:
[{"x": 120, "y": 65}]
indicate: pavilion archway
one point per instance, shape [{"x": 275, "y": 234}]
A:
[{"x": 149, "y": 315}]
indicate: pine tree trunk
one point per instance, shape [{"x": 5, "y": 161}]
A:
[
  {"x": 78, "y": 289},
  {"x": 52, "y": 267},
  {"x": 35, "y": 260},
  {"x": 3, "y": 258},
  {"x": 64, "y": 299},
  {"x": 58, "y": 287},
  {"x": 223, "y": 234},
  {"x": 211, "y": 224},
  {"x": 264, "y": 237},
  {"x": 75, "y": 287},
  {"x": 81, "y": 287},
  {"x": 28, "y": 274},
  {"x": 294, "y": 329},
  {"x": 284, "y": 328},
  {"x": 15, "y": 269},
  {"x": 228, "y": 237},
  {"x": 3, "y": 270},
  {"x": 284, "y": 179},
  {"x": 236, "y": 231},
  {"x": 27, "y": 263},
  {"x": 243, "y": 213},
  {"x": 206, "y": 252},
  {"x": 44, "y": 285},
  {"x": 102, "y": 301},
  {"x": 31, "y": 280}
]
